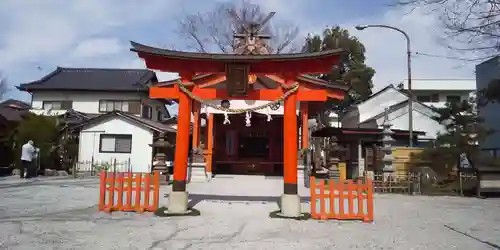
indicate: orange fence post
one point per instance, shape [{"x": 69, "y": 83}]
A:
[
  {"x": 341, "y": 200},
  {"x": 350, "y": 200},
  {"x": 156, "y": 190},
  {"x": 128, "y": 205},
  {"x": 111, "y": 192},
  {"x": 312, "y": 190},
  {"x": 360, "y": 188},
  {"x": 322, "y": 205},
  {"x": 102, "y": 190},
  {"x": 369, "y": 201},
  {"x": 119, "y": 189},
  {"x": 147, "y": 189},
  {"x": 331, "y": 191},
  {"x": 138, "y": 185}
]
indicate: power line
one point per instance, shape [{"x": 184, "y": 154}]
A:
[{"x": 454, "y": 57}]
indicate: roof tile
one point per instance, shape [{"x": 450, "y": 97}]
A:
[{"x": 93, "y": 79}]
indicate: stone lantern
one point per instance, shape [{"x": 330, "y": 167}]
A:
[
  {"x": 197, "y": 154},
  {"x": 159, "y": 146},
  {"x": 387, "y": 140},
  {"x": 333, "y": 153}
]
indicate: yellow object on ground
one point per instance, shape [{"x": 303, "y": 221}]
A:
[{"x": 343, "y": 170}]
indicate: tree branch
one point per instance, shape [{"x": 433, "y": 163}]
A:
[
  {"x": 214, "y": 30},
  {"x": 473, "y": 24}
]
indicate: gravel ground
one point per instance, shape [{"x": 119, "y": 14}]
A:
[{"x": 62, "y": 214}]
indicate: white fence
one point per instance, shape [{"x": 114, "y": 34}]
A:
[{"x": 93, "y": 167}]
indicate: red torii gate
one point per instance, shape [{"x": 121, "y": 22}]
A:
[{"x": 285, "y": 66}]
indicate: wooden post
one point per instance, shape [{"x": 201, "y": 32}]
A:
[
  {"x": 92, "y": 166},
  {"x": 210, "y": 144},
  {"x": 182, "y": 139},
  {"x": 196, "y": 124},
  {"x": 102, "y": 190},
  {"x": 460, "y": 183},
  {"x": 73, "y": 170},
  {"x": 290, "y": 142},
  {"x": 304, "y": 113}
]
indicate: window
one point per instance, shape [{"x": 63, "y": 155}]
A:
[
  {"x": 110, "y": 143},
  {"x": 159, "y": 115},
  {"x": 435, "y": 98},
  {"x": 124, "y": 106},
  {"x": 147, "y": 112},
  {"x": 57, "y": 105},
  {"x": 423, "y": 98},
  {"x": 428, "y": 98},
  {"x": 453, "y": 98}
]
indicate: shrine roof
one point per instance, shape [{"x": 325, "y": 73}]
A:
[
  {"x": 331, "y": 131},
  {"x": 234, "y": 58}
]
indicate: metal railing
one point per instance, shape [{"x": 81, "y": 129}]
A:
[
  {"x": 465, "y": 178},
  {"x": 408, "y": 183},
  {"x": 93, "y": 167}
]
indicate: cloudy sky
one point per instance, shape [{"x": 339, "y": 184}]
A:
[{"x": 37, "y": 36}]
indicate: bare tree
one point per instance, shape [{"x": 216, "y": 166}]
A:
[
  {"x": 214, "y": 30},
  {"x": 471, "y": 25}
]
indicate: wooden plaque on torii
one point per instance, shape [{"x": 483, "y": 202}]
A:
[{"x": 237, "y": 79}]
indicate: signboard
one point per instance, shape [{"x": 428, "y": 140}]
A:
[
  {"x": 237, "y": 79},
  {"x": 464, "y": 162}
]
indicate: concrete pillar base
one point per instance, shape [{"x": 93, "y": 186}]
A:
[
  {"x": 290, "y": 206},
  {"x": 177, "y": 202},
  {"x": 196, "y": 173},
  {"x": 301, "y": 175}
]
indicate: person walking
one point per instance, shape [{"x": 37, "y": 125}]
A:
[{"x": 28, "y": 155}]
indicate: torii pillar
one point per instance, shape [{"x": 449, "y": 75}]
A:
[
  {"x": 178, "y": 197},
  {"x": 290, "y": 200}
]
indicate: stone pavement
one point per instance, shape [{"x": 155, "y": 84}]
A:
[{"x": 62, "y": 214}]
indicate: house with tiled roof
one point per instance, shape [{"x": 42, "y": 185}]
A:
[
  {"x": 370, "y": 114},
  {"x": 96, "y": 91},
  {"x": 109, "y": 109},
  {"x": 13, "y": 110}
]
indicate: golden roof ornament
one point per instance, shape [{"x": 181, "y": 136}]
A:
[{"x": 250, "y": 40}]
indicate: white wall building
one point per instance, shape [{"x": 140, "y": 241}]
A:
[
  {"x": 370, "y": 113},
  {"x": 436, "y": 92},
  {"x": 95, "y": 92},
  {"x": 96, "y": 103},
  {"x": 117, "y": 119},
  {"x": 122, "y": 137}
]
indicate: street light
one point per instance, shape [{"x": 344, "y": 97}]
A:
[{"x": 408, "y": 52}]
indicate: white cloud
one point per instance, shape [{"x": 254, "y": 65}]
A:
[
  {"x": 98, "y": 47},
  {"x": 83, "y": 33},
  {"x": 39, "y": 31},
  {"x": 386, "y": 49}
]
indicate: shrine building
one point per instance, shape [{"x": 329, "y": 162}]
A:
[{"x": 256, "y": 107}]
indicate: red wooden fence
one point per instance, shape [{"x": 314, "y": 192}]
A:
[
  {"x": 334, "y": 196},
  {"x": 129, "y": 192}
]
